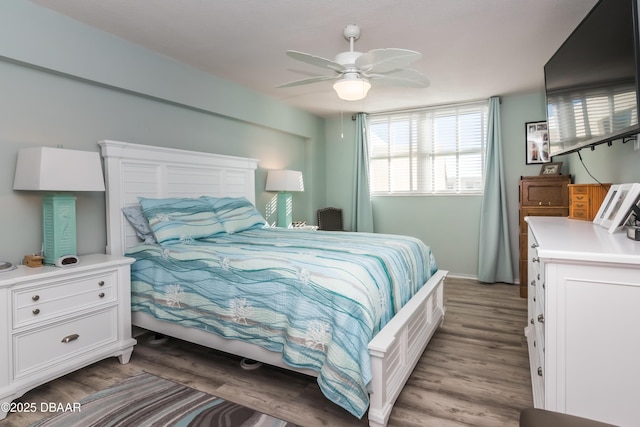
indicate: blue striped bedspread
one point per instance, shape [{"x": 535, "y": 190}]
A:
[{"x": 317, "y": 297}]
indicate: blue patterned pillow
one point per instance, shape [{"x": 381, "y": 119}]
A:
[
  {"x": 181, "y": 219},
  {"x": 236, "y": 213},
  {"x": 139, "y": 222}
]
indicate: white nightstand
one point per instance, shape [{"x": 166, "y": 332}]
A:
[{"x": 55, "y": 320}]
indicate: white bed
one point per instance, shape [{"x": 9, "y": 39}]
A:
[{"x": 134, "y": 170}]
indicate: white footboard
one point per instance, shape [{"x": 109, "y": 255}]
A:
[{"x": 397, "y": 348}]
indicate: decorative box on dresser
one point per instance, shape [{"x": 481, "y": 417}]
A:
[
  {"x": 583, "y": 319},
  {"x": 585, "y": 200},
  {"x": 544, "y": 195},
  {"x": 56, "y": 320}
]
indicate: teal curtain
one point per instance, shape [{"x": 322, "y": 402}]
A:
[
  {"x": 361, "y": 210},
  {"x": 494, "y": 253}
]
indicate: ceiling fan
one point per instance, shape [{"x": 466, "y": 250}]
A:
[{"x": 354, "y": 71}]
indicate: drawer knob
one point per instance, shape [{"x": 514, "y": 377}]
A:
[
  {"x": 35, "y": 297},
  {"x": 539, "y": 370},
  {"x": 101, "y": 283},
  {"x": 541, "y": 318},
  {"x": 70, "y": 338},
  {"x": 535, "y": 260},
  {"x": 533, "y": 283},
  {"x": 101, "y": 294},
  {"x": 534, "y": 245},
  {"x": 36, "y": 311}
]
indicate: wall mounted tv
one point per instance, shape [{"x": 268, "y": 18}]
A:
[{"x": 591, "y": 82}]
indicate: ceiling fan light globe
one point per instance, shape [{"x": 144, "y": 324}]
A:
[{"x": 352, "y": 89}]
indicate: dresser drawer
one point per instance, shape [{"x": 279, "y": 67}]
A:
[
  {"x": 580, "y": 201},
  {"x": 578, "y": 189},
  {"x": 47, "y": 300},
  {"x": 544, "y": 191},
  {"x": 39, "y": 349},
  {"x": 580, "y": 214},
  {"x": 580, "y": 204}
]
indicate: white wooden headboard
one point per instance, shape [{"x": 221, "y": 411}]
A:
[{"x": 133, "y": 170}]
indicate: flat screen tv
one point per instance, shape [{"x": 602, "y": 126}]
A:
[{"x": 591, "y": 82}]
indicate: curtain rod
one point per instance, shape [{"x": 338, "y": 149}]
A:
[{"x": 427, "y": 107}]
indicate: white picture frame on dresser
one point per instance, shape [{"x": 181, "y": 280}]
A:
[
  {"x": 618, "y": 208},
  {"x": 606, "y": 203},
  {"x": 58, "y": 320}
]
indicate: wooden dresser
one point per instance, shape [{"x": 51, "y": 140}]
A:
[
  {"x": 585, "y": 200},
  {"x": 540, "y": 196}
]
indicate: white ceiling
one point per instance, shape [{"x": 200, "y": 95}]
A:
[{"x": 471, "y": 49}]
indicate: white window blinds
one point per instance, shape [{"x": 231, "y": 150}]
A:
[{"x": 438, "y": 150}]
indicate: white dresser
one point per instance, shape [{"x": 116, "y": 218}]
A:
[
  {"x": 584, "y": 320},
  {"x": 56, "y": 320}
]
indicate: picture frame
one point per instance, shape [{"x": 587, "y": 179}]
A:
[
  {"x": 536, "y": 142},
  {"x": 620, "y": 207},
  {"x": 549, "y": 169},
  {"x": 606, "y": 203}
]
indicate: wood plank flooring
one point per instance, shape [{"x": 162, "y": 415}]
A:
[{"x": 475, "y": 372}]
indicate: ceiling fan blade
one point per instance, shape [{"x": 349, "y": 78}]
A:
[
  {"x": 315, "y": 60},
  {"x": 306, "y": 81},
  {"x": 406, "y": 78},
  {"x": 385, "y": 60}
]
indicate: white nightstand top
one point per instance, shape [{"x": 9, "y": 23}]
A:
[{"x": 87, "y": 263}]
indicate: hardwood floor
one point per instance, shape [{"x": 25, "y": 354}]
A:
[{"x": 475, "y": 372}]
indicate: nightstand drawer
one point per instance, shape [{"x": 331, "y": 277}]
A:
[
  {"x": 42, "y": 348},
  {"x": 50, "y": 299}
]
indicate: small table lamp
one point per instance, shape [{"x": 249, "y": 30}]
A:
[
  {"x": 57, "y": 169},
  {"x": 284, "y": 181}
]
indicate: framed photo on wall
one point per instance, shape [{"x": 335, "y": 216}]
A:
[{"x": 537, "y": 142}]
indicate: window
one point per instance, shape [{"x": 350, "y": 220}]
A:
[{"x": 437, "y": 150}]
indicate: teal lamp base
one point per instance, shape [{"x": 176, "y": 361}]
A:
[
  {"x": 58, "y": 226},
  {"x": 285, "y": 210}
]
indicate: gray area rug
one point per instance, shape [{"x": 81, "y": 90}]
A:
[{"x": 148, "y": 400}]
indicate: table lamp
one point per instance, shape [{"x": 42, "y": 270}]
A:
[
  {"x": 58, "y": 171},
  {"x": 284, "y": 181}
]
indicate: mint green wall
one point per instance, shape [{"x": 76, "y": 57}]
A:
[
  {"x": 449, "y": 224},
  {"x": 65, "y": 83},
  {"x": 617, "y": 164},
  {"x": 446, "y": 223}
]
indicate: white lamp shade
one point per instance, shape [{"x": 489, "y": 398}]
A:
[
  {"x": 58, "y": 169},
  {"x": 352, "y": 87},
  {"x": 284, "y": 180}
]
